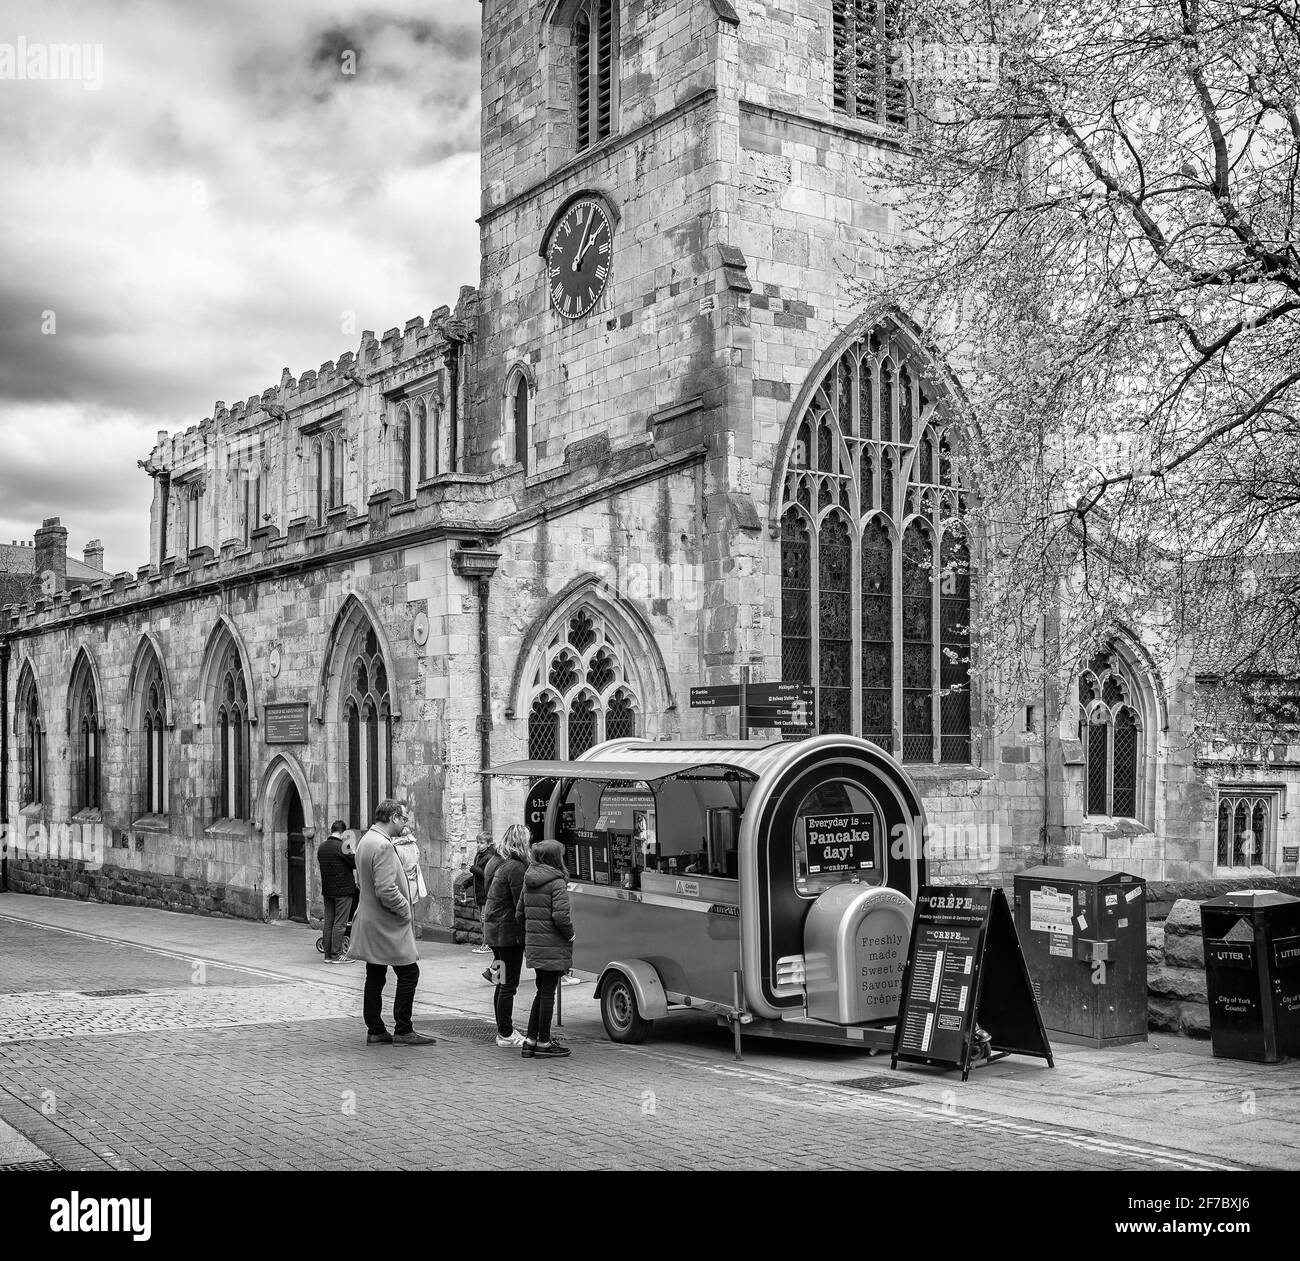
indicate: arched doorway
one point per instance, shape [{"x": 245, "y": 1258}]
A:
[{"x": 297, "y": 868}]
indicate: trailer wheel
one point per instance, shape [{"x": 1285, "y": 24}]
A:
[{"x": 618, "y": 1009}]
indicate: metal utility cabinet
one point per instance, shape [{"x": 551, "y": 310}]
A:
[
  {"x": 1252, "y": 974},
  {"x": 1084, "y": 936}
]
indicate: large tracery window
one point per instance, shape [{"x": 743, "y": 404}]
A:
[
  {"x": 85, "y": 730},
  {"x": 581, "y": 692},
  {"x": 873, "y": 554},
  {"x": 367, "y": 710},
  {"x": 594, "y": 39},
  {"x": 1110, "y": 729},
  {"x": 232, "y": 734},
  {"x": 31, "y": 742}
]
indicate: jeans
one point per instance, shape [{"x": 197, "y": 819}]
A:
[
  {"x": 539, "y": 1019},
  {"x": 334, "y": 921},
  {"x": 503, "y": 997},
  {"x": 408, "y": 976}
]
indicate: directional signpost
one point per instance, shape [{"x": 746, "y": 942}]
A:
[{"x": 786, "y": 706}]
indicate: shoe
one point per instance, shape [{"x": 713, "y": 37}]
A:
[
  {"x": 515, "y": 1039},
  {"x": 483, "y": 949},
  {"x": 528, "y": 1049},
  {"x": 569, "y": 979},
  {"x": 413, "y": 1039},
  {"x": 346, "y": 959},
  {"x": 553, "y": 1049},
  {"x": 487, "y": 976},
  {"x": 372, "y": 1039}
]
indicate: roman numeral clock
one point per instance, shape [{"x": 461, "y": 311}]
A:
[{"x": 578, "y": 258}]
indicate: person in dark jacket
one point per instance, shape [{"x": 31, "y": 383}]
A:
[
  {"x": 542, "y": 916},
  {"x": 478, "y": 869},
  {"x": 505, "y": 877},
  {"x": 338, "y": 883}
]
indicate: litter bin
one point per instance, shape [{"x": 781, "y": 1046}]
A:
[
  {"x": 1252, "y": 974},
  {"x": 1084, "y": 935}
]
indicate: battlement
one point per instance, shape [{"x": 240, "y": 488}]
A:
[
  {"x": 351, "y": 372},
  {"x": 450, "y": 504}
]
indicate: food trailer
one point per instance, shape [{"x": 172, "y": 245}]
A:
[{"x": 769, "y": 883}]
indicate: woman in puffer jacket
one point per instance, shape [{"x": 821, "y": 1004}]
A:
[
  {"x": 542, "y": 916},
  {"x": 505, "y": 886}
]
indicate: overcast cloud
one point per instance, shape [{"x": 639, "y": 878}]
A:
[{"x": 208, "y": 216}]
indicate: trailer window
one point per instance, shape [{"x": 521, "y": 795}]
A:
[
  {"x": 838, "y": 837},
  {"x": 684, "y": 825}
]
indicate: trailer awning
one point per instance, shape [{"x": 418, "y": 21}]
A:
[{"x": 637, "y": 772}]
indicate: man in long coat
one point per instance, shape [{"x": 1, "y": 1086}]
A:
[{"x": 383, "y": 934}]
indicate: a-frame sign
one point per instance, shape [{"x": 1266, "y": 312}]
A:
[{"x": 965, "y": 972}]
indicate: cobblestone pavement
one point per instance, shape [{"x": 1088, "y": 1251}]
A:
[{"x": 248, "y": 1071}]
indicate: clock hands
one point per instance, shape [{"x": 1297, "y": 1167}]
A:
[{"x": 582, "y": 244}]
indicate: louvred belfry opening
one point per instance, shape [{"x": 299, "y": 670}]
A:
[
  {"x": 593, "y": 36},
  {"x": 605, "y": 70}
]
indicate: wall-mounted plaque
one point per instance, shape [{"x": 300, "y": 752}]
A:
[{"x": 285, "y": 723}]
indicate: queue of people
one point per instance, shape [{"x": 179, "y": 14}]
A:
[{"x": 525, "y": 917}]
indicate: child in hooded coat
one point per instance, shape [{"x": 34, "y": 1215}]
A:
[{"x": 542, "y": 915}]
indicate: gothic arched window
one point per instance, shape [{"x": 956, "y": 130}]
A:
[
  {"x": 404, "y": 453},
  {"x": 368, "y": 718},
  {"x": 420, "y": 415},
  {"x": 232, "y": 734},
  {"x": 1110, "y": 729},
  {"x": 518, "y": 418},
  {"x": 593, "y": 26},
  {"x": 873, "y": 554},
  {"x": 1245, "y": 829},
  {"x": 31, "y": 741},
  {"x": 326, "y": 473},
  {"x": 85, "y": 730},
  {"x": 581, "y": 692},
  {"x": 149, "y": 720}
]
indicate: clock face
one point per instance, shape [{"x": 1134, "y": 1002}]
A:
[{"x": 578, "y": 258}]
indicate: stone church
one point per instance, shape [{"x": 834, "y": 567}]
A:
[{"x": 657, "y": 447}]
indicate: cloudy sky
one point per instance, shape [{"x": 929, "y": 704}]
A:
[{"x": 211, "y": 214}]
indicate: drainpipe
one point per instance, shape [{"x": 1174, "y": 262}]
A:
[
  {"x": 4, "y": 721},
  {"x": 479, "y": 564}
]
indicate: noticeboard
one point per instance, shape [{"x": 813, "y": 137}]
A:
[
  {"x": 285, "y": 723},
  {"x": 965, "y": 972},
  {"x": 840, "y": 842}
]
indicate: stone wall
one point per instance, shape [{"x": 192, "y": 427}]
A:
[
  {"x": 128, "y": 887},
  {"x": 1177, "y": 999}
]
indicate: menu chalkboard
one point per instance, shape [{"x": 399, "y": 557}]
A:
[
  {"x": 965, "y": 972},
  {"x": 621, "y": 846}
]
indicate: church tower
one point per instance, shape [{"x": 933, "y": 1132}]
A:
[{"x": 613, "y": 295}]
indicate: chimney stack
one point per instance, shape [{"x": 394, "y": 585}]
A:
[
  {"x": 52, "y": 556},
  {"x": 94, "y": 554}
]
